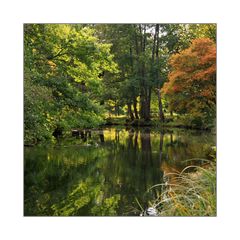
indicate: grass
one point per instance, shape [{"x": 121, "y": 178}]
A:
[
  {"x": 175, "y": 121},
  {"x": 116, "y": 120},
  {"x": 191, "y": 194}
]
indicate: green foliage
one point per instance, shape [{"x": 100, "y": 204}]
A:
[
  {"x": 38, "y": 124},
  {"x": 63, "y": 64},
  {"x": 177, "y": 37},
  {"x": 74, "y": 74}
]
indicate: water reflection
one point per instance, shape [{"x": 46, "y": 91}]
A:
[{"x": 102, "y": 172}]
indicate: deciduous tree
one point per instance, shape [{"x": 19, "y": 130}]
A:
[{"x": 192, "y": 80}]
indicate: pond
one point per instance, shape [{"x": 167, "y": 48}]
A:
[{"x": 106, "y": 172}]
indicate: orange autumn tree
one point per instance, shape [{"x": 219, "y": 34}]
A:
[{"x": 191, "y": 88}]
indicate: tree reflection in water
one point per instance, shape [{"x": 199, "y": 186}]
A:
[{"x": 103, "y": 172}]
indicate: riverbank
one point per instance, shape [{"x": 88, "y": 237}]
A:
[
  {"x": 175, "y": 121},
  {"x": 170, "y": 122}
]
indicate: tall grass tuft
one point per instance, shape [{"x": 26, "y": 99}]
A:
[{"x": 193, "y": 195}]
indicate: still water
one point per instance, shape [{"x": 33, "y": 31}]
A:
[{"x": 106, "y": 172}]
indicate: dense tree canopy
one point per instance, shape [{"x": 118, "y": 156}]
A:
[
  {"x": 77, "y": 75},
  {"x": 63, "y": 66}
]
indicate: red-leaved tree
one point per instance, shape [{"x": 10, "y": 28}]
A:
[{"x": 191, "y": 88}]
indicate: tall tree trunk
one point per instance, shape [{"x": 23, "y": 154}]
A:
[
  {"x": 148, "y": 89},
  {"x": 154, "y": 46},
  {"x": 142, "y": 75},
  {"x": 140, "y": 70},
  {"x": 135, "y": 108},
  {"x": 140, "y": 45},
  {"x": 145, "y": 97},
  {"x": 116, "y": 108},
  {"x": 130, "y": 113},
  {"x": 143, "y": 103},
  {"x": 160, "y": 106},
  {"x": 132, "y": 69},
  {"x": 148, "y": 104}
]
